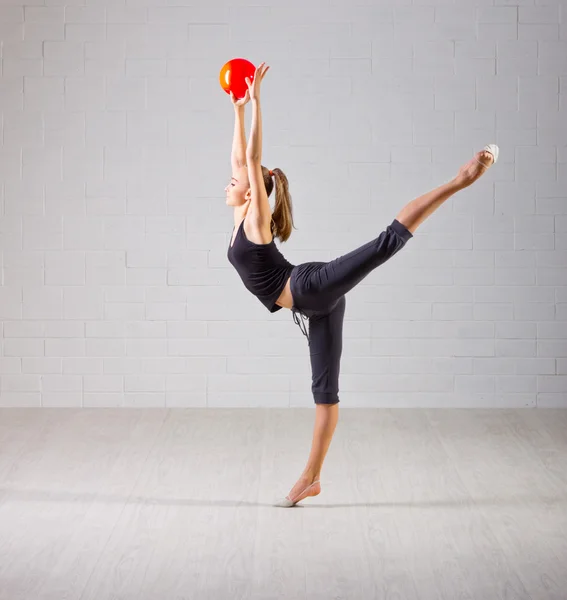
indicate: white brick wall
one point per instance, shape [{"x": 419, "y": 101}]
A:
[{"x": 115, "y": 144}]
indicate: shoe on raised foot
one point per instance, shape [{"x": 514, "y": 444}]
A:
[{"x": 494, "y": 150}]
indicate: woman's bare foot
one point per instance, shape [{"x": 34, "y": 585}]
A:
[
  {"x": 304, "y": 488},
  {"x": 476, "y": 167}
]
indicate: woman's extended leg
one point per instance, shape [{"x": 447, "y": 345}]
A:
[
  {"x": 316, "y": 286},
  {"x": 414, "y": 213}
]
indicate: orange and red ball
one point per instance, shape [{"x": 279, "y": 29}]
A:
[{"x": 233, "y": 76}]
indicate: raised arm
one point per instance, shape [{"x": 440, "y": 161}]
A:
[
  {"x": 254, "y": 148},
  {"x": 259, "y": 205},
  {"x": 238, "y": 156}
]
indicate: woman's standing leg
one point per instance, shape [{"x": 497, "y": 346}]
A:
[
  {"x": 325, "y": 350},
  {"x": 326, "y": 418}
]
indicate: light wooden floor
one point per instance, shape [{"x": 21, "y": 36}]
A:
[{"x": 176, "y": 504}]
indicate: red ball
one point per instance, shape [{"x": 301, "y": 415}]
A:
[{"x": 233, "y": 74}]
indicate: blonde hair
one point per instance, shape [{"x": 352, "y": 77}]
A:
[{"x": 282, "y": 217}]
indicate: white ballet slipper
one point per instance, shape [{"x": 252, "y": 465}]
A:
[
  {"x": 494, "y": 150},
  {"x": 287, "y": 503}
]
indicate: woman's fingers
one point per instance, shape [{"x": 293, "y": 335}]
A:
[{"x": 261, "y": 70}]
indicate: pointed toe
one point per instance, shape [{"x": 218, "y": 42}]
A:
[
  {"x": 284, "y": 502},
  {"x": 494, "y": 150}
]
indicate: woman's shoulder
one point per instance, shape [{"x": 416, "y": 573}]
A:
[{"x": 257, "y": 231}]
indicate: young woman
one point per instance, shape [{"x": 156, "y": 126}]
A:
[{"x": 314, "y": 290}]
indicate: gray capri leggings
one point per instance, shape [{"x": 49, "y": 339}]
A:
[{"x": 318, "y": 290}]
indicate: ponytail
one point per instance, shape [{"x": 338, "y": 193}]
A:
[{"x": 282, "y": 217}]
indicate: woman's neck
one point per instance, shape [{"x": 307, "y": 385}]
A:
[{"x": 240, "y": 213}]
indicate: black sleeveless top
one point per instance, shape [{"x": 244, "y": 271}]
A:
[{"x": 262, "y": 268}]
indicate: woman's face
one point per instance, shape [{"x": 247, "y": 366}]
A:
[{"x": 238, "y": 190}]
